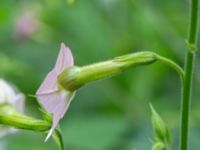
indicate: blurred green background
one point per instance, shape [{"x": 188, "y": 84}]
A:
[{"x": 112, "y": 114}]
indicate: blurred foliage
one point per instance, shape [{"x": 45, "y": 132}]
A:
[{"x": 112, "y": 114}]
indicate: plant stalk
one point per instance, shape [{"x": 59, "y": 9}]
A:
[{"x": 187, "y": 84}]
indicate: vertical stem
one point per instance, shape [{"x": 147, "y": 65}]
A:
[
  {"x": 187, "y": 84},
  {"x": 186, "y": 101}
]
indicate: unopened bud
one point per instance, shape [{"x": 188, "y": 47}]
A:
[{"x": 159, "y": 126}]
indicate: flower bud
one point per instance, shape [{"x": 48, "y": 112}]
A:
[
  {"x": 161, "y": 131},
  {"x": 158, "y": 146}
]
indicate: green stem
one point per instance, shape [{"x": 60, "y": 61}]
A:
[
  {"x": 173, "y": 65},
  {"x": 58, "y": 139},
  {"x": 187, "y": 85},
  {"x": 192, "y": 37},
  {"x": 186, "y": 101}
]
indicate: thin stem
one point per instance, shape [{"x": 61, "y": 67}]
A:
[
  {"x": 192, "y": 37},
  {"x": 173, "y": 65},
  {"x": 186, "y": 98},
  {"x": 187, "y": 85},
  {"x": 58, "y": 139}
]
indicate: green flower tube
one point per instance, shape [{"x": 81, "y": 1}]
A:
[{"x": 75, "y": 77}]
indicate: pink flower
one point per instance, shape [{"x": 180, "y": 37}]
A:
[
  {"x": 52, "y": 96},
  {"x": 9, "y": 96},
  {"x": 26, "y": 25},
  {"x": 11, "y": 102}
]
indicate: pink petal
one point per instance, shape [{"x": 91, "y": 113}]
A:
[
  {"x": 57, "y": 104},
  {"x": 65, "y": 59},
  {"x": 49, "y": 84},
  {"x": 19, "y": 105},
  {"x": 52, "y": 99}
]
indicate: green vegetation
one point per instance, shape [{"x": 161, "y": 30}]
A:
[{"x": 111, "y": 114}]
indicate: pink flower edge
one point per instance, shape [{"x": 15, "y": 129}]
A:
[{"x": 55, "y": 100}]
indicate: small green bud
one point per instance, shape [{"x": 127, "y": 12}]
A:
[{"x": 159, "y": 126}]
